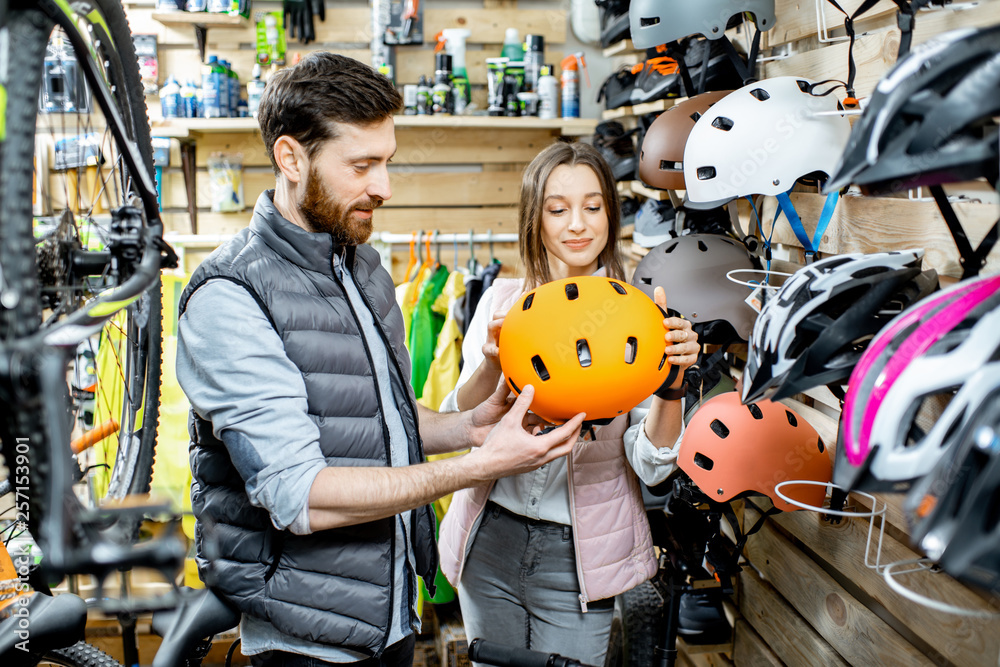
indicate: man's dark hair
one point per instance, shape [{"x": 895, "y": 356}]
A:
[{"x": 306, "y": 101}]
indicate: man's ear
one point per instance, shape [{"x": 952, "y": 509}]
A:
[{"x": 291, "y": 158}]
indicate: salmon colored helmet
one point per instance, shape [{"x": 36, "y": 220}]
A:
[
  {"x": 730, "y": 449},
  {"x": 588, "y": 344},
  {"x": 661, "y": 155}
]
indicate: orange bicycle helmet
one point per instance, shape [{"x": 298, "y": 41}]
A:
[
  {"x": 661, "y": 155},
  {"x": 588, "y": 344},
  {"x": 730, "y": 449}
]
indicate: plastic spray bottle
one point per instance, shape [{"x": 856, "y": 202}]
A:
[
  {"x": 255, "y": 88},
  {"x": 454, "y": 40},
  {"x": 571, "y": 84}
]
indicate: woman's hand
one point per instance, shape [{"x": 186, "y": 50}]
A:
[
  {"x": 682, "y": 342},
  {"x": 491, "y": 348}
]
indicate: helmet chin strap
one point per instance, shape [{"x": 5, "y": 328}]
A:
[
  {"x": 811, "y": 246},
  {"x": 972, "y": 261}
]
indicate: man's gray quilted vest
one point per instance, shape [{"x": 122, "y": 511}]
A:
[{"x": 335, "y": 586}]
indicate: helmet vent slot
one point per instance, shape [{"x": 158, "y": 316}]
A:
[
  {"x": 723, "y": 123},
  {"x": 820, "y": 446},
  {"x": 804, "y": 86},
  {"x": 701, "y": 246},
  {"x": 695, "y": 116},
  {"x": 791, "y": 418},
  {"x": 755, "y": 411},
  {"x": 706, "y": 173},
  {"x": 618, "y": 287},
  {"x": 583, "y": 352},
  {"x": 670, "y": 248},
  {"x": 649, "y": 21},
  {"x": 703, "y": 461},
  {"x": 527, "y": 301},
  {"x": 719, "y": 429},
  {"x": 540, "y": 369},
  {"x": 646, "y": 281},
  {"x": 514, "y": 386},
  {"x": 670, "y": 165},
  {"x": 572, "y": 291},
  {"x": 663, "y": 360},
  {"x": 760, "y": 94},
  {"x": 631, "y": 349}
]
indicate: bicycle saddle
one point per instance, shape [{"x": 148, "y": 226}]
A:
[
  {"x": 199, "y": 615},
  {"x": 55, "y": 622}
]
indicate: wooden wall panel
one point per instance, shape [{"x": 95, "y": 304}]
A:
[
  {"x": 841, "y": 547},
  {"x": 856, "y": 632},
  {"x": 790, "y": 637},
  {"x": 749, "y": 650},
  {"x": 875, "y": 224}
]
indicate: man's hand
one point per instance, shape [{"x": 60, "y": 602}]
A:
[
  {"x": 510, "y": 448},
  {"x": 488, "y": 414},
  {"x": 682, "y": 342}
]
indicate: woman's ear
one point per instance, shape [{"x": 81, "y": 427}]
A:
[{"x": 291, "y": 158}]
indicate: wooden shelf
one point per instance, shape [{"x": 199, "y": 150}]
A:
[
  {"x": 570, "y": 127},
  {"x": 209, "y": 20},
  {"x": 621, "y": 48}
]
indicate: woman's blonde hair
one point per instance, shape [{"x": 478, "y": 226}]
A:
[{"x": 529, "y": 209}]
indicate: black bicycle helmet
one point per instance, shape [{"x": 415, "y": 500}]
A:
[
  {"x": 929, "y": 121},
  {"x": 954, "y": 511},
  {"x": 813, "y": 331},
  {"x": 692, "y": 270}
]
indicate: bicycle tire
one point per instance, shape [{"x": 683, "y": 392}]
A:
[
  {"x": 634, "y": 628},
  {"x": 80, "y": 654},
  {"x": 20, "y": 298}
]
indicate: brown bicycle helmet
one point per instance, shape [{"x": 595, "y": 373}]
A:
[
  {"x": 730, "y": 449},
  {"x": 587, "y": 344},
  {"x": 692, "y": 270},
  {"x": 661, "y": 156}
]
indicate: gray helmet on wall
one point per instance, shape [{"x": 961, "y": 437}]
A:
[
  {"x": 655, "y": 22},
  {"x": 692, "y": 270}
]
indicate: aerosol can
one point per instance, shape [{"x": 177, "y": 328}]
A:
[{"x": 571, "y": 84}]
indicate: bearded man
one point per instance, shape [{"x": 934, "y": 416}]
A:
[{"x": 310, "y": 483}]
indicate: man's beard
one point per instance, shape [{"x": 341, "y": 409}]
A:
[{"x": 323, "y": 212}]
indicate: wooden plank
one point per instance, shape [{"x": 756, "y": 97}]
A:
[
  {"x": 859, "y": 635},
  {"x": 876, "y": 224},
  {"x": 432, "y": 189},
  {"x": 796, "y": 19},
  {"x": 786, "y": 633},
  {"x": 488, "y": 25},
  {"x": 414, "y": 146},
  {"x": 874, "y": 54},
  {"x": 400, "y": 220},
  {"x": 963, "y": 641},
  {"x": 749, "y": 650}
]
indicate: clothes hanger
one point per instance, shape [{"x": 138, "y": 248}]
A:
[
  {"x": 413, "y": 258},
  {"x": 473, "y": 265}
]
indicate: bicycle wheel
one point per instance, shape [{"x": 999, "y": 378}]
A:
[
  {"x": 80, "y": 654},
  {"x": 57, "y": 211}
]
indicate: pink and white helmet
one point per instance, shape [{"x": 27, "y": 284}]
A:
[{"x": 920, "y": 361}]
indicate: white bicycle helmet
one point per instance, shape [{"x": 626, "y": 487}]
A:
[
  {"x": 762, "y": 138},
  {"x": 655, "y": 22},
  {"x": 925, "y": 357},
  {"x": 813, "y": 331}
]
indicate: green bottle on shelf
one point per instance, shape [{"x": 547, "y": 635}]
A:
[{"x": 512, "y": 46}]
